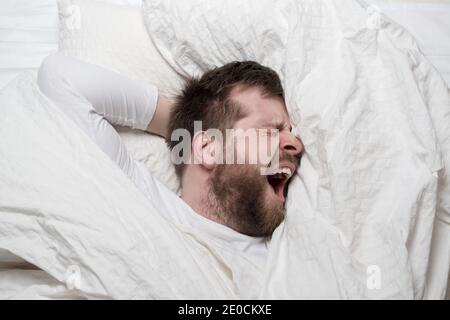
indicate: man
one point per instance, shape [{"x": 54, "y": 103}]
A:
[{"x": 233, "y": 206}]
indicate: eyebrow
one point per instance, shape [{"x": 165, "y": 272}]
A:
[{"x": 279, "y": 125}]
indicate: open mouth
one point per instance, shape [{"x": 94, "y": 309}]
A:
[{"x": 278, "y": 181}]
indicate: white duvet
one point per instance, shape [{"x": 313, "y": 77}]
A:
[{"x": 368, "y": 215}]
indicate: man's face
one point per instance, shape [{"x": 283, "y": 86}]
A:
[{"x": 246, "y": 200}]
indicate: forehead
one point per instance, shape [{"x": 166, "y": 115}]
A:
[{"x": 259, "y": 109}]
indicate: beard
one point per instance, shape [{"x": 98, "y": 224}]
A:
[{"x": 238, "y": 198}]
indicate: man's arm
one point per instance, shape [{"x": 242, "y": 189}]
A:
[
  {"x": 95, "y": 98},
  {"x": 160, "y": 123},
  {"x": 121, "y": 101}
]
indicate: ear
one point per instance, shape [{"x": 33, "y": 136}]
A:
[{"x": 204, "y": 150}]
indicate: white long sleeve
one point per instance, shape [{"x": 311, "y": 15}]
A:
[
  {"x": 120, "y": 100},
  {"x": 96, "y": 98}
]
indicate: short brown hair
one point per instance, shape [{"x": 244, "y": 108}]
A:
[{"x": 207, "y": 98}]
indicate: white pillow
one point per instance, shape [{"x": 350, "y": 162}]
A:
[
  {"x": 114, "y": 37},
  {"x": 197, "y": 35}
]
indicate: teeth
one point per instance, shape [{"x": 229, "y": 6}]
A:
[{"x": 285, "y": 171}]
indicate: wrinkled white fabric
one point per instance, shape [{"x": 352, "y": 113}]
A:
[
  {"x": 373, "y": 115},
  {"x": 429, "y": 23}
]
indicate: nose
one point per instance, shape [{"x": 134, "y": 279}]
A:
[{"x": 290, "y": 144}]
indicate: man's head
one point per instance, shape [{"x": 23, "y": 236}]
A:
[{"x": 246, "y": 96}]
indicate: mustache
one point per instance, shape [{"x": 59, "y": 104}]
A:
[{"x": 294, "y": 159}]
